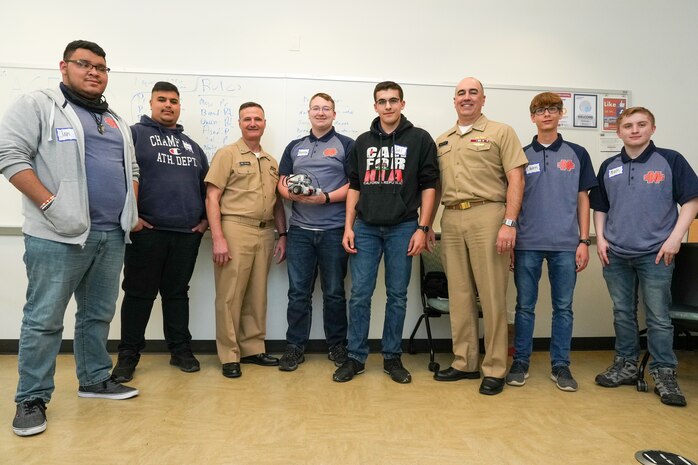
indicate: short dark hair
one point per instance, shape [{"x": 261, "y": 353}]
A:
[
  {"x": 250, "y": 105},
  {"x": 633, "y": 110},
  {"x": 86, "y": 44},
  {"x": 164, "y": 86},
  {"x": 387, "y": 85}
]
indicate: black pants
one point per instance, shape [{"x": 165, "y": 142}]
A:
[{"x": 157, "y": 261}]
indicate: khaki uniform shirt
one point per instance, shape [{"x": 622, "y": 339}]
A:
[
  {"x": 474, "y": 165},
  {"x": 248, "y": 183}
]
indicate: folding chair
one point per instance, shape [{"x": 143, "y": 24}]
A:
[
  {"x": 434, "y": 305},
  {"x": 684, "y": 296}
]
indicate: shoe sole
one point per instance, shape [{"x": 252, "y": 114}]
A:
[
  {"x": 96, "y": 395},
  {"x": 562, "y": 388},
  {"x": 30, "y": 431},
  {"x": 517, "y": 383},
  {"x": 193, "y": 369},
  {"x": 237, "y": 375},
  {"x": 628, "y": 382},
  {"x": 490, "y": 392}
]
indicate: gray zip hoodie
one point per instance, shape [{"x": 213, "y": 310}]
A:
[{"x": 42, "y": 132}]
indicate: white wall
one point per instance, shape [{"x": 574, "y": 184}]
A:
[{"x": 648, "y": 47}]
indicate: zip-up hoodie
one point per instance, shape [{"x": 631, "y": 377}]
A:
[
  {"x": 42, "y": 132},
  {"x": 391, "y": 170},
  {"x": 171, "y": 193}
]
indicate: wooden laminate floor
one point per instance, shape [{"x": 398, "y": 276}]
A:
[{"x": 303, "y": 417}]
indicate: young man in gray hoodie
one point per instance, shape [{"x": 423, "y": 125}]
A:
[{"x": 73, "y": 160}]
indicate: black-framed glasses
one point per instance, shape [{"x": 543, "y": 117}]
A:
[
  {"x": 381, "y": 102},
  {"x": 551, "y": 110},
  {"x": 86, "y": 65}
]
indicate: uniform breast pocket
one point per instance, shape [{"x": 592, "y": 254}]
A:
[{"x": 246, "y": 178}]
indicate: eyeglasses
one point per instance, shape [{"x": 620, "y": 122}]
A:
[
  {"x": 322, "y": 109},
  {"x": 383, "y": 102},
  {"x": 551, "y": 110},
  {"x": 86, "y": 65}
]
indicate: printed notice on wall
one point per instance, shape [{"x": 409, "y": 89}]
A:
[
  {"x": 613, "y": 106},
  {"x": 585, "y": 111},
  {"x": 567, "y": 104},
  {"x": 609, "y": 142}
]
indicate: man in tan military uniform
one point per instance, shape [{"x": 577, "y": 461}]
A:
[
  {"x": 243, "y": 208},
  {"x": 481, "y": 164}
]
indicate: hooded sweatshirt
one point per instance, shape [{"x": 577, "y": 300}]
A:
[
  {"x": 172, "y": 192},
  {"x": 390, "y": 171}
]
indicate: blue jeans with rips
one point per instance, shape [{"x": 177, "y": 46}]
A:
[
  {"x": 57, "y": 271},
  {"x": 562, "y": 273},
  {"x": 309, "y": 254},
  {"x": 625, "y": 277},
  {"x": 372, "y": 242}
]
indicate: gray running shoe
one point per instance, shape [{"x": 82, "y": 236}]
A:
[
  {"x": 338, "y": 354},
  {"x": 563, "y": 378},
  {"x": 108, "y": 389},
  {"x": 30, "y": 418},
  {"x": 622, "y": 371},
  {"x": 518, "y": 373},
  {"x": 667, "y": 388}
]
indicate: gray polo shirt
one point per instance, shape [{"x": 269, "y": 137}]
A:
[
  {"x": 639, "y": 197},
  {"x": 324, "y": 160},
  {"x": 554, "y": 177}
]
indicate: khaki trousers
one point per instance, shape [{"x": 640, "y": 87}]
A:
[
  {"x": 241, "y": 291},
  {"x": 471, "y": 262}
]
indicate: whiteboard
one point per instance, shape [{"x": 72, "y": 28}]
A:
[{"x": 210, "y": 105}]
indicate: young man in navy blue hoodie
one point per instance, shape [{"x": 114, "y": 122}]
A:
[
  {"x": 171, "y": 222},
  {"x": 392, "y": 171}
]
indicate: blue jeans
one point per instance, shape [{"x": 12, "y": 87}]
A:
[
  {"x": 371, "y": 243},
  {"x": 56, "y": 272},
  {"x": 562, "y": 272},
  {"x": 623, "y": 277},
  {"x": 306, "y": 252}
]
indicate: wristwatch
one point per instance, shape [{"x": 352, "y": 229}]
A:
[
  {"x": 585, "y": 241},
  {"x": 510, "y": 223},
  {"x": 424, "y": 228}
]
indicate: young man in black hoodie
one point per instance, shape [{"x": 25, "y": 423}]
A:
[
  {"x": 171, "y": 222},
  {"x": 392, "y": 171}
]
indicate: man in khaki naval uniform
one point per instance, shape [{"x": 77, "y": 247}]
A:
[
  {"x": 242, "y": 209},
  {"x": 482, "y": 184}
]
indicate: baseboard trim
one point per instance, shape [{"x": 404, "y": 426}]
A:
[{"x": 317, "y": 346}]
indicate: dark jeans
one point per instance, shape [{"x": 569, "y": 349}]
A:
[
  {"x": 306, "y": 251},
  {"x": 157, "y": 261}
]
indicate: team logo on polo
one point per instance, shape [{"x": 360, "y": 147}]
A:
[
  {"x": 330, "y": 152},
  {"x": 653, "y": 177},
  {"x": 565, "y": 165}
]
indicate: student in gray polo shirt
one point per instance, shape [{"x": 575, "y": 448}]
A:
[
  {"x": 639, "y": 231},
  {"x": 553, "y": 226},
  {"x": 315, "y": 233}
]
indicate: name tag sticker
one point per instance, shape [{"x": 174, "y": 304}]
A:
[
  {"x": 303, "y": 152},
  {"x": 615, "y": 171},
  {"x": 400, "y": 150},
  {"x": 65, "y": 134},
  {"x": 533, "y": 168},
  {"x": 245, "y": 163}
]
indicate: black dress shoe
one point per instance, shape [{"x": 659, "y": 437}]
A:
[
  {"x": 491, "y": 386},
  {"x": 451, "y": 374},
  {"x": 262, "y": 359},
  {"x": 232, "y": 370}
]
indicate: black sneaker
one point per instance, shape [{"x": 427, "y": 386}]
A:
[
  {"x": 30, "y": 418},
  {"x": 108, "y": 389},
  {"x": 185, "y": 361},
  {"x": 338, "y": 354},
  {"x": 348, "y": 369},
  {"x": 622, "y": 371},
  {"x": 125, "y": 366},
  {"x": 397, "y": 372},
  {"x": 667, "y": 388},
  {"x": 292, "y": 357}
]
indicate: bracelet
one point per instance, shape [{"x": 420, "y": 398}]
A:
[
  {"x": 44, "y": 206},
  {"x": 327, "y": 197},
  {"x": 283, "y": 234}
]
